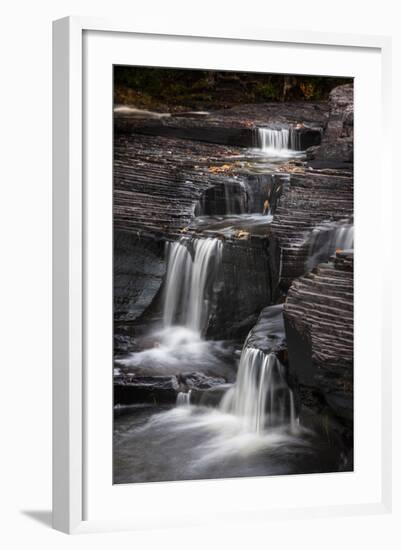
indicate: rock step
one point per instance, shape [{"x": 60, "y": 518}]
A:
[
  {"x": 310, "y": 199},
  {"x": 158, "y": 181}
]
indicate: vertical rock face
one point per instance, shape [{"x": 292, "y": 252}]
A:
[
  {"x": 139, "y": 269},
  {"x": 245, "y": 289},
  {"x": 337, "y": 142},
  {"x": 318, "y": 315}
]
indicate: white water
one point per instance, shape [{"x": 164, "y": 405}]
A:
[
  {"x": 140, "y": 113},
  {"x": 192, "y": 269},
  {"x": 254, "y": 431},
  {"x": 326, "y": 239},
  {"x": 278, "y": 142},
  {"x": 261, "y": 396},
  {"x": 177, "y": 349},
  {"x": 183, "y": 399},
  {"x": 190, "y": 285}
]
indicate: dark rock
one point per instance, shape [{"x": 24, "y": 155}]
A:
[
  {"x": 130, "y": 389},
  {"x": 327, "y": 428},
  {"x": 235, "y": 126},
  {"x": 262, "y": 187},
  {"x": 245, "y": 288},
  {"x": 308, "y": 137},
  {"x": 223, "y": 198},
  {"x": 318, "y": 315},
  {"x": 139, "y": 269},
  {"x": 198, "y": 380},
  {"x": 210, "y": 397},
  {"x": 268, "y": 334},
  {"x": 158, "y": 182},
  {"x": 309, "y": 200},
  {"x": 338, "y": 137},
  {"x": 240, "y": 137},
  {"x": 121, "y": 342}
]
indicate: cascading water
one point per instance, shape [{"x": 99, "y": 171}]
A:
[
  {"x": 183, "y": 399},
  {"x": 192, "y": 269},
  {"x": 326, "y": 239},
  {"x": 261, "y": 396},
  {"x": 276, "y": 141},
  {"x": 192, "y": 280}
]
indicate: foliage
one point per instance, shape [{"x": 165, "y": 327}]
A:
[{"x": 158, "y": 88}]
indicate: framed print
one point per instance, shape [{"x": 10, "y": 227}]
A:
[{"x": 215, "y": 330}]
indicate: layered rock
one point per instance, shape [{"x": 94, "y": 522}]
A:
[
  {"x": 318, "y": 315},
  {"x": 310, "y": 199},
  {"x": 159, "y": 181},
  {"x": 235, "y": 126}
]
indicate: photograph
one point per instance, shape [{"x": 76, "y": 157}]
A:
[{"x": 233, "y": 247}]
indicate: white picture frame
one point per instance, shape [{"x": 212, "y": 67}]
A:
[{"x": 71, "y": 254}]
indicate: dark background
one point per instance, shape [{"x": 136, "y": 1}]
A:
[{"x": 164, "y": 89}]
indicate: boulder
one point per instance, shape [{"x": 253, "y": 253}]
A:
[
  {"x": 338, "y": 136},
  {"x": 268, "y": 334}
]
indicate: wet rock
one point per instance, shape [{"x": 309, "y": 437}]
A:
[
  {"x": 121, "y": 341},
  {"x": 131, "y": 389},
  {"x": 198, "y": 380},
  {"x": 327, "y": 428},
  {"x": 268, "y": 334},
  {"x": 318, "y": 315},
  {"x": 262, "y": 187},
  {"x": 223, "y": 198},
  {"x": 209, "y": 397}
]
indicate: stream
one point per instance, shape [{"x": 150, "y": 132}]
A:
[{"x": 252, "y": 427}]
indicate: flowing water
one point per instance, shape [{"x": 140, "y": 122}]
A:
[
  {"x": 253, "y": 430},
  {"x": 183, "y": 399},
  {"x": 281, "y": 142},
  {"x": 261, "y": 396},
  {"x": 192, "y": 269},
  {"x": 326, "y": 239}
]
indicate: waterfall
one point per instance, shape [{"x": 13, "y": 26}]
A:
[
  {"x": 192, "y": 270},
  {"x": 326, "y": 239},
  {"x": 183, "y": 399},
  {"x": 261, "y": 396},
  {"x": 274, "y": 141}
]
